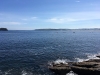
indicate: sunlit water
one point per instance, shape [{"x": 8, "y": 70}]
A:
[{"x": 29, "y": 52}]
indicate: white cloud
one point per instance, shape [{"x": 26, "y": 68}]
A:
[
  {"x": 56, "y": 20},
  {"x": 77, "y": 1},
  {"x": 60, "y": 20},
  {"x": 75, "y": 16},
  {"x": 33, "y": 18},
  {"x": 11, "y": 23},
  {"x": 85, "y": 15}
]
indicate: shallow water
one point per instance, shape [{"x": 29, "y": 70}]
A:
[{"x": 29, "y": 52}]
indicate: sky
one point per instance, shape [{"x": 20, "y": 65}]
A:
[{"x": 57, "y": 14}]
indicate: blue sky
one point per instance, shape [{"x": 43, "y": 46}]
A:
[{"x": 36, "y": 14}]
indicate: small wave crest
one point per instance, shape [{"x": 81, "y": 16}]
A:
[
  {"x": 6, "y": 72},
  {"x": 93, "y": 56},
  {"x": 58, "y": 61},
  {"x": 89, "y": 56},
  {"x": 26, "y": 73},
  {"x": 13, "y": 72},
  {"x": 80, "y": 60},
  {"x": 71, "y": 73}
]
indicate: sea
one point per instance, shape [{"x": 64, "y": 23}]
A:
[{"x": 29, "y": 52}]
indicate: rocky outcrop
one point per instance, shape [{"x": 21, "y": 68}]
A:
[
  {"x": 98, "y": 56},
  {"x": 60, "y": 69},
  {"x": 90, "y": 67}
]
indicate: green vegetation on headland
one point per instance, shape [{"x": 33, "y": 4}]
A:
[{"x": 3, "y": 29}]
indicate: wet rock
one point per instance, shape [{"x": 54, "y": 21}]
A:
[
  {"x": 94, "y": 60},
  {"x": 60, "y": 69},
  {"x": 86, "y": 68},
  {"x": 90, "y": 67},
  {"x": 98, "y": 56}
]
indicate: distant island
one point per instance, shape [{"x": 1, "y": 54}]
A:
[{"x": 3, "y": 29}]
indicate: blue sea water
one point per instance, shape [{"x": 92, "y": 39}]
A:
[{"x": 29, "y": 52}]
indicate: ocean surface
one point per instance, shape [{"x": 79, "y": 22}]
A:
[{"x": 30, "y": 52}]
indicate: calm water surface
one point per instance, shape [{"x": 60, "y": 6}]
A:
[{"x": 29, "y": 52}]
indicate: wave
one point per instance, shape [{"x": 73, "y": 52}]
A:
[
  {"x": 64, "y": 61},
  {"x": 71, "y": 73},
  {"x": 6, "y": 72},
  {"x": 89, "y": 56},
  {"x": 26, "y": 73},
  {"x": 11, "y": 72}
]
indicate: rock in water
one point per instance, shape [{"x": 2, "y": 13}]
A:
[
  {"x": 90, "y": 67},
  {"x": 98, "y": 56},
  {"x": 71, "y": 73},
  {"x": 60, "y": 68}
]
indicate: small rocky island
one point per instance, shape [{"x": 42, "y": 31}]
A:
[
  {"x": 90, "y": 67},
  {"x": 3, "y": 29}
]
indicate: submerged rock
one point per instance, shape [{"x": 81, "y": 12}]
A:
[{"x": 90, "y": 67}]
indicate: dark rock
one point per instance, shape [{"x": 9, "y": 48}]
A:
[
  {"x": 98, "y": 56},
  {"x": 86, "y": 68},
  {"x": 94, "y": 60},
  {"x": 90, "y": 67},
  {"x": 60, "y": 69}
]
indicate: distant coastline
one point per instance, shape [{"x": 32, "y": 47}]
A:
[
  {"x": 66, "y": 29},
  {"x": 50, "y": 29},
  {"x": 3, "y": 29}
]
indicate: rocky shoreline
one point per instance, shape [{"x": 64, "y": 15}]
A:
[{"x": 90, "y": 67}]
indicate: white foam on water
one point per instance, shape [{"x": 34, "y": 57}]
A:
[
  {"x": 26, "y": 73},
  {"x": 71, "y": 73},
  {"x": 92, "y": 56},
  {"x": 89, "y": 56},
  {"x": 63, "y": 61},
  {"x": 80, "y": 60},
  {"x": 7, "y": 72}
]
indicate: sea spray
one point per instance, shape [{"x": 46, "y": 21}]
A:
[
  {"x": 71, "y": 73},
  {"x": 63, "y": 61},
  {"x": 80, "y": 59},
  {"x": 92, "y": 56},
  {"x": 89, "y": 56},
  {"x": 26, "y": 73}
]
